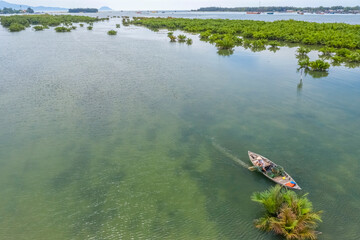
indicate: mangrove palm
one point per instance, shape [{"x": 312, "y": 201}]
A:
[{"x": 287, "y": 213}]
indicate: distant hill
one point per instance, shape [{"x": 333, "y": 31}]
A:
[
  {"x": 4, "y": 4},
  {"x": 105, "y": 8}
]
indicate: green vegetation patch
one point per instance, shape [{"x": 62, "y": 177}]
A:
[
  {"x": 338, "y": 43},
  {"x": 181, "y": 38},
  {"x": 337, "y": 35},
  {"x": 45, "y": 19},
  {"x": 63, "y": 29},
  {"x": 287, "y": 213},
  {"x": 112, "y": 32},
  {"x": 16, "y": 27},
  {"x": 39, "y": 28}
]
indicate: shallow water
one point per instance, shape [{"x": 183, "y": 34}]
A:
[{"x": 108, "y": 137}]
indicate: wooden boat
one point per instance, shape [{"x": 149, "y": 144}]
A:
[{"x": 284, "y": 179}]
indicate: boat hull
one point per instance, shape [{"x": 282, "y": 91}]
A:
[{"x": 285, "y": 180}]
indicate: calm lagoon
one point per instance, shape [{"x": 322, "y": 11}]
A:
[{"x": 112, "y": 137}]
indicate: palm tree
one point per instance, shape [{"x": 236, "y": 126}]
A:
[
  {"x": 172, "y": 38},
  {"x": 287, "y": 214},
  {"x": 181, "y": 38}
]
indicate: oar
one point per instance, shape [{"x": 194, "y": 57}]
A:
[{"x": 252, "y": 168}]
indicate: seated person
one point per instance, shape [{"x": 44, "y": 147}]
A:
[{"x": 261, "y": 164}]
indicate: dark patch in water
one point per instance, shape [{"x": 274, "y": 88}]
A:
[
  {"x": 151, "y": 134},
  {"x": 78, "y": 168}
]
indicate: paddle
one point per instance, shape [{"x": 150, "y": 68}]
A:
[{"x": 252, "y": 168}]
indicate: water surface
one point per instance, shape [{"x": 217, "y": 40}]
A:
[{"x": 111, "y": 137}]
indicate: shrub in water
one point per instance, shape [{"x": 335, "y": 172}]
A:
[
  {"x": 303, "y": 51},
  {"x": 172, "y": 38},
  {"x": 181, "y": 38},
  {"x": 225, "y": 43},
  {"x": 287, "y": 213},
  {"x": 16, "y": 27},
  {"x": 112, "y": 32},
  {"x": 319, "y": 65},
  {"x": 39, "y": 28},
  {"x": 62, "y": 29}
]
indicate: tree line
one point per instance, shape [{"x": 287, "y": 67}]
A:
[
  {"x": 83, "y": 10},
  {"x": 281, "y": 9},
  {"x": 14, "y": 11}
]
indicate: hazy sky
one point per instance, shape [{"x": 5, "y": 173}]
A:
[{"x": 181, "y": 4}]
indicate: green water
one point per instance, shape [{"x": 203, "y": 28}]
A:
[{"x": 111, "y": 137}]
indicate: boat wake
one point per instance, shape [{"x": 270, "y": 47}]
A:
[{"x": 228, "y": 154}]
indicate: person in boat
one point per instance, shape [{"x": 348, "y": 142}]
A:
[{"x": 261, "y": 164}]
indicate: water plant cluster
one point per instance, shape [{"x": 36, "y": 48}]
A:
[
  {"x": 180, "y": 38},
  {"x": 112, "y": 32},
  {"x": 287, "y": 213},
  {"x": 126, "y": 20},
  {"x": 20, "y": 22},
  {"x": 340, "y": 41},
  {"x": 39, "y": 28},
  {"x": 63, "y": 29},
  {"x": 339, "y": 35}
]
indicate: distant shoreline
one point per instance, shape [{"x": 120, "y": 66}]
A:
[{"x": 318, "y": 10}]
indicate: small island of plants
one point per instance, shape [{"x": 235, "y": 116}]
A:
[
  {"x": 63, "y": 29},
  {"x": 287, "y": 214},
  {"x": 112, "y": 32}
]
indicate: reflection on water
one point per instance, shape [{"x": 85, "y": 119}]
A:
[{"x": 104, "y": 137}]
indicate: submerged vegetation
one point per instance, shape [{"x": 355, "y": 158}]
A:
[
  {"x": 45, "y": 20},
  {"x": 287, "y": 213}
]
